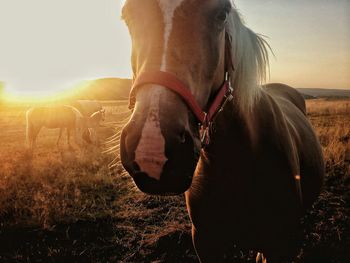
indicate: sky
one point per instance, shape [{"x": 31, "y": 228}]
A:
[
  {"x": 49, "y": 45},
  {"x": 310, "y": 39}
]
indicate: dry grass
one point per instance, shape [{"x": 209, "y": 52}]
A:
[
  {"x": 55, "y": 184},
  {"x": 324, "y": 107},
  {"x": 66, "y": 205},
  {"x": 331, "y": 120}
]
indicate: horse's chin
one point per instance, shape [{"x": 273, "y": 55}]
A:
[{"x": 162, "y": 187}]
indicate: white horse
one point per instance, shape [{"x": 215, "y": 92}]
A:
[{"x": 63, "y": 117}]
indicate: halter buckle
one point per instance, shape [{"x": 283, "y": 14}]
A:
[
  {"x": 204, "y": 131},
  {"x": 227, "y": 76}
]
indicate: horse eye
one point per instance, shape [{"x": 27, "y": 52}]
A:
[{"x": 222, "y": 16}]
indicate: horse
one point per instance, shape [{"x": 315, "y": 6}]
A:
[
  {"x": 202, "y": 123},
  {"x": 63, "y": 117},
  {"x": 94, "y": 110}
]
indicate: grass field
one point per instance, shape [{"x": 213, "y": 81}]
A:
[{"x": 63, "y": 205}]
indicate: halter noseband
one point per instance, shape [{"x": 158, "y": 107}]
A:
[{"x": 170, "y": 81}]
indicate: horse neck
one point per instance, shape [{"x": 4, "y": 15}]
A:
[
  {"x": 94, "y": 119},
  {"x": 232, "y": 123},
  {"x": 265, "y": 125}
]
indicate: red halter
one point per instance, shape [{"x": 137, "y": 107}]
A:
[{"x": 170, "y": 81}]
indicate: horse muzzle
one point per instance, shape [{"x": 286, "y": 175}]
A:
[{"x": 160, "y": 164}]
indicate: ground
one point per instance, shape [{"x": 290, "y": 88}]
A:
[{"x": 69, "y": 205}]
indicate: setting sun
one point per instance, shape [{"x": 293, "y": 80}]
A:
[
  {"x": 46, "y": 50},
  {"x": 11, "y": 94}
]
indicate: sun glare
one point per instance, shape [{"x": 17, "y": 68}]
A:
[
  {"x": 13, "y": 95},
  {"x": 60, "y": 52}
]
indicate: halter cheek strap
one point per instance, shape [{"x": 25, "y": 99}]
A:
[{"x": 170, "y": 81}]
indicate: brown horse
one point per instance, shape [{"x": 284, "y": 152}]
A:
[{"x": 255, "y": 164}]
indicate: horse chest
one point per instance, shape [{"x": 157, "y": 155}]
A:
[{"x": 245, "y": 195}]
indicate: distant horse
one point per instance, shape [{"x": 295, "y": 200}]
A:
[
  {"x": 63, "y": 117},
  {"x": 94, "y": 110},
  {"x": 246, "y": 155}
]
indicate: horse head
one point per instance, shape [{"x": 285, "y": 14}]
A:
[
  {"x": 174, "y": 43},
  {"x": 96, "y": 117}
]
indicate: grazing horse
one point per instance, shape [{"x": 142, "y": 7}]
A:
[
  {"x": 63, "y": 117},
  {"x": 92, "y": 109},
  {"x": 245, "y": 154}
]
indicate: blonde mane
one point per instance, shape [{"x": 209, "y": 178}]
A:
[{"x": 250, "y": 58}]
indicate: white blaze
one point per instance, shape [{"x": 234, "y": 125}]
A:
[
  {"x": 168, "y": 8},
  {"x": 150, "y": 152}
]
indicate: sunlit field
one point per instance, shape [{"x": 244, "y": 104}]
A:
[{"x": 72, "y": 205}]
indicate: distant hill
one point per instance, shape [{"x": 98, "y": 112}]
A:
[
  {"x": 118, "y": 89},
  {"x": 103, "y": 89},
  {"x": 325, "y": 93}
]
